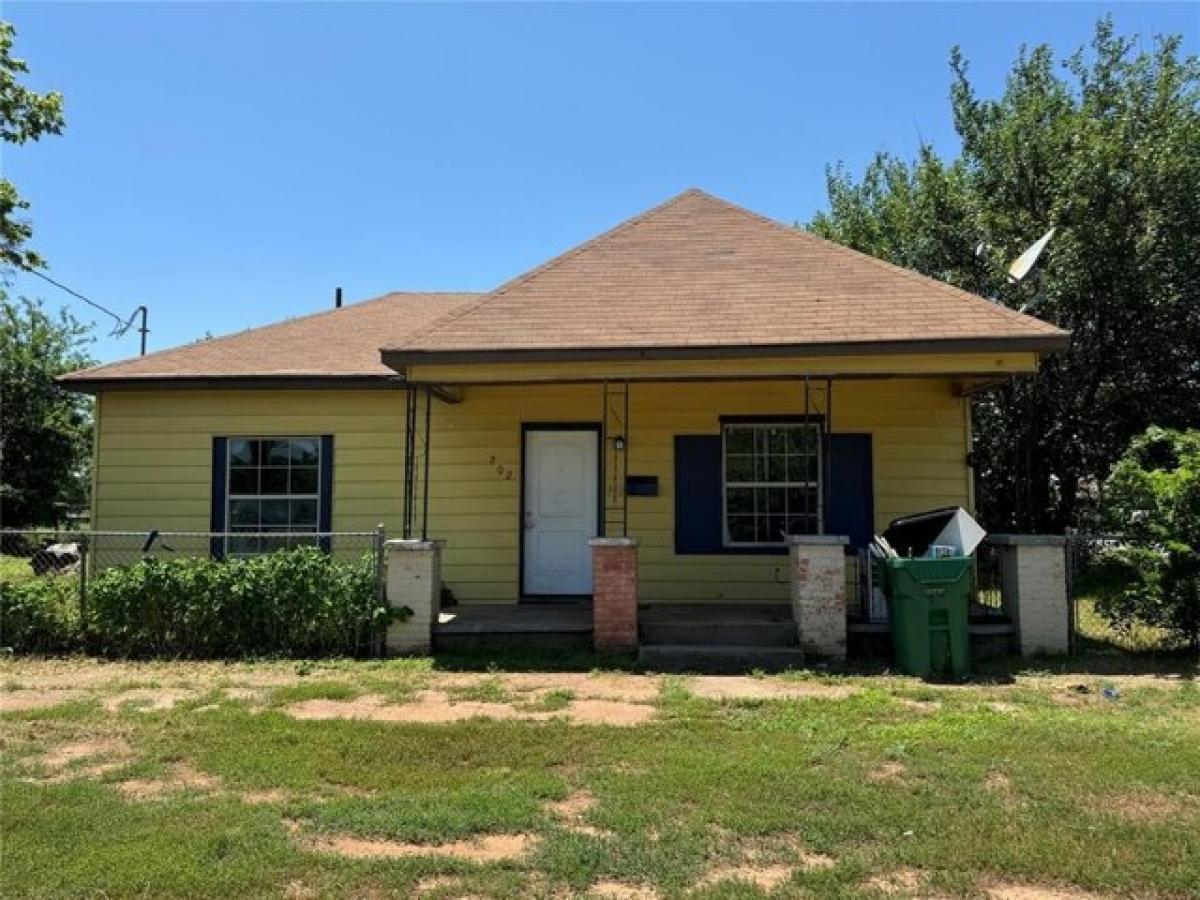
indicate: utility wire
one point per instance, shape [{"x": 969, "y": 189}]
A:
[{"x": 122, "y": 325}]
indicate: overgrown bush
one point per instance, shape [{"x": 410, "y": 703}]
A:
[
  {"x": 299, "y": 602},
  {"x": 1152, "y": 502},
  {"x": 40, "y": 615}
]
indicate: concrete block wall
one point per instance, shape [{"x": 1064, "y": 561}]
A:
[
  {"x": 614, "y": 594},
  {"x": 413, "y": 582},
  {"x": 818, "y": 576}
]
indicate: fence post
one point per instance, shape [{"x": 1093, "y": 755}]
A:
[
  {"x": 380, "y": 586},
  {"x": 83, "y": 569},
  {"x": 1073, "y": 539}
]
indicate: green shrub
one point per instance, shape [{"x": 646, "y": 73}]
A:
[
  {"x": 1152, "y": 576},
  {"x": 40, "y": 615},
  {"x": 299, "y": 602}
]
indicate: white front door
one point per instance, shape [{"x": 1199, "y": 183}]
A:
[{"x": 561, "y": 496}]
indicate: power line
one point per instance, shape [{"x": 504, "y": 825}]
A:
[
  {"x": 122, "y": 326},
  {"x": 74, "y": 293}
]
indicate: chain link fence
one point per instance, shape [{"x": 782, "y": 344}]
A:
[{"x": 866, "y": 596}]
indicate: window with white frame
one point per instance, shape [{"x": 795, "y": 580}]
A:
[
  {"x": 772, "y": 475},
  {"x": 274, "y": 492}
]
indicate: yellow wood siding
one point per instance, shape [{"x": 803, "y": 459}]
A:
[
  {"x": 154, "y": 452},
  {"x": 154, "y": 464},
  {"x": 919, "y": 448}
]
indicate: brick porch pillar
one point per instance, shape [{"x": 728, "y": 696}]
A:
[
  {"x": 818, "y": 564},
  {"x": 414, "y": 583},
  {"x": 614, "y": 593},
  {"x": 1034, "y": 586}
]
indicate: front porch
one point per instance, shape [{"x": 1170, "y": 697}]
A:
[
  {"x": 701, "y": 520},
  {"x": 1019, "y": 605}
]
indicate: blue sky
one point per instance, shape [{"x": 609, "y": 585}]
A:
[{"x": 229, "y": 165}]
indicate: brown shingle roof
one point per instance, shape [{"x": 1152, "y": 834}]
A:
[
  {"x": 695, "y": 275},
  {"x": 339, "y": 343},
  {"x": 699, "y": 272}
]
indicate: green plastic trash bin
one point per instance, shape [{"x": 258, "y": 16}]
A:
[{"x": 928, "y": 602}]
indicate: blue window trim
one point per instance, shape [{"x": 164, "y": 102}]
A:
[{"x": 216, "y": 522}]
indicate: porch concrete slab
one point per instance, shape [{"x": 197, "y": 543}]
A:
[{"x": 514, "y": 618}]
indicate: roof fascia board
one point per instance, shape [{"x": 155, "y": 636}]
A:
[
  {"x": 233, "y": 382},
  {"x": 399, "y": 358}
]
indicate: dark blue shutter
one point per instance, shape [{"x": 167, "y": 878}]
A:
[
  {"x": 216, "y": 520},
  {"x": 325, "y": 511},
  {"x": 850, "y": 491},
  {"x": 698, "y": 480}
]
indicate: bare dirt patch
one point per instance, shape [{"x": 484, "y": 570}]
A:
[
  {"x": 20, "y": 701},
  {"x": 901, "y": 882},
  {"x": 586, "y": 686},
  {"x": 436, "y": 883},
  {"x": 811, "y": 860},
  {"x": 927, "y": 707},
  {"x": 1013, "y": 891},
  {"x": 264, "y": 798},
  {"x": 621, "y": 890},
  {"x": 65, "y": 754},
  {"x": 608, "y": 712},
  {"x": 742, "y": 687},
  {"x": 1004, "y": 707},
  {"x": 575, "y": 806},
  {"x": 997, "y": 782},
  {"x": 571, "y": 811},
  {"x": 1145, "y": 806},
  {"x": 484, "y": 849},
  {"x": 436, "y": 707},
  {"x": 179, "y": 777},
  {"x": 764, "y": 877},
  {"x": 148, "y": 699},
  {"x": 888, "y": 772},
  {"x": 430, "y": 707},
  {"x": 105, "y": 753},
  {"x": 784, "y": 848}
]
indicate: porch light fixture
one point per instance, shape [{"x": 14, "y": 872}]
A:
[{"x": 619, "y": 442}]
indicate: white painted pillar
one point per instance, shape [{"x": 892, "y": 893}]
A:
[
  {"x": 1034, "y": 583},
  {"x": 414, "y": 584}
]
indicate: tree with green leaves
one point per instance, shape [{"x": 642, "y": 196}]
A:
[
  {"x": 45, "y": 430},
  {"x": 1152, "y": 575},
  {"x": 1105, "y": 147},
  {"x": 25, "y": 116}
]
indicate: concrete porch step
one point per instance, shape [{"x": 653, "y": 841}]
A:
[
  {"x": 479, "y": 626},
  {"x": 720, "y": 632},
  {"x": 724, "y": 624},
  {"x": 724, "y": 659}
]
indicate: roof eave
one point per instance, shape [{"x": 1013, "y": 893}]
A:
[
  {"x": 398, "y": 359},
  {"x": 85, "y": 384}
]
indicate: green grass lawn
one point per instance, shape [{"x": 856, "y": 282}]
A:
[
  {"x": 199, "y": 780},
  {"x": 1098, "y": 634}
]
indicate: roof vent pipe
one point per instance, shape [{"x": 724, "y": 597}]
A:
[{"x": 337, "y": 298}]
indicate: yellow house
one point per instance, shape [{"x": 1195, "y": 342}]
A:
[{"x": 700, "y": 378}]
